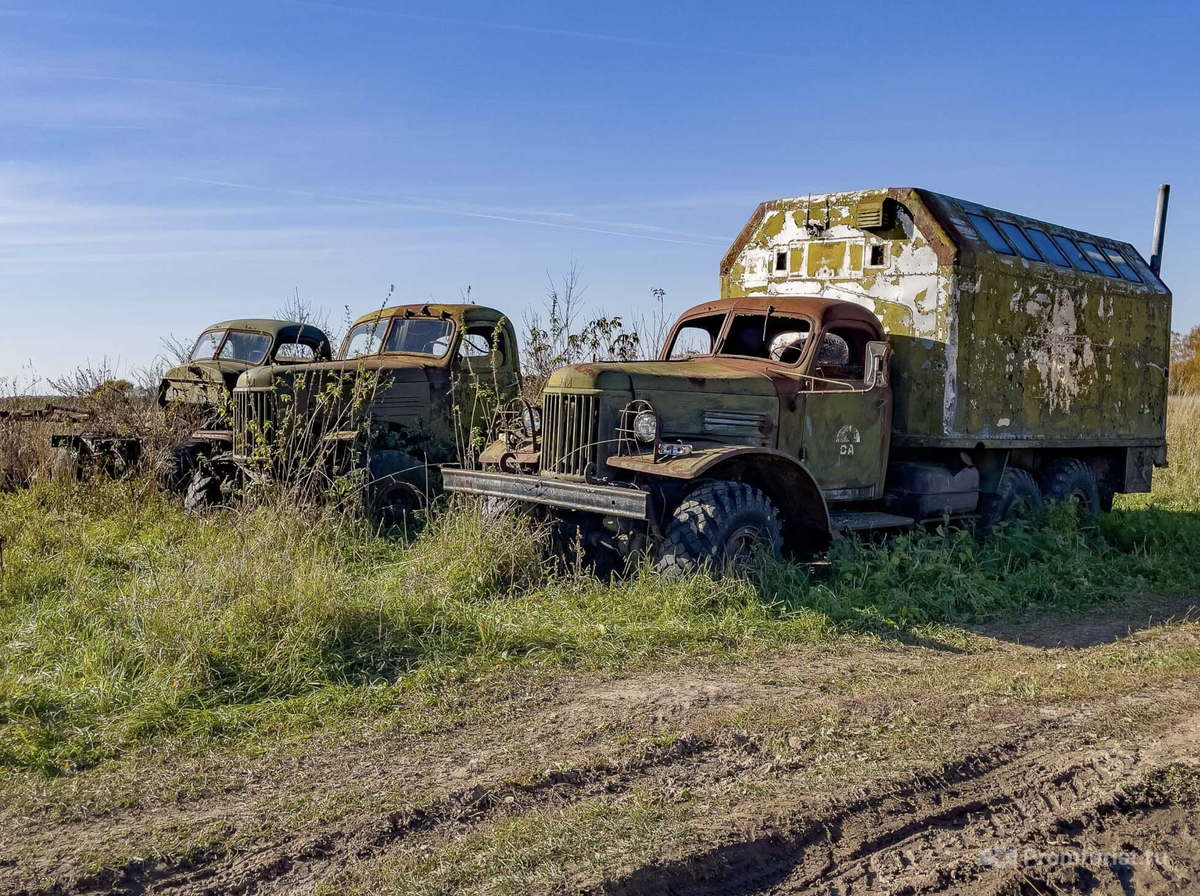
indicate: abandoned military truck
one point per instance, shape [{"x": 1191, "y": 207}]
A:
[
  {"x": 876, "y": 359},
  {"x": 200, "y": 387},
  {"x": 410, "y": 389}
]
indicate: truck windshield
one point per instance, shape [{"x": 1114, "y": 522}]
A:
[
  {"x": 242, "y": 346},
  {"x": 415, "y": 336},
  {"x": 774, "y": 337},
  {"x": 208, "y": 345},
  {"x": 364, "y": 339},
  {"x": 420, "y": 336},
  {"x": 696, "y": 337}
]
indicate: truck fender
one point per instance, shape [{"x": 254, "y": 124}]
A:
[{"x": 786, "y": 481}]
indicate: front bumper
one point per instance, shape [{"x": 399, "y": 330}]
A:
[{"x": 610, "y": 500}]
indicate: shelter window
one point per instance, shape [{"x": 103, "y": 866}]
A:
[
  {"x": 758, "y": 336},
  {"x": 696, "y": 337},
  {"x": 1096, "y": 257},
  {"x": 1017, "y": 237},
  {"x": 1072, "y": 252},
  {"x": 989, "y": 232},
  {"x": 1046, "y": 246},
  {"x": 207, "y": 345},
  {"x": 1122, "y": 265},
  {"x": 781, "y": 260},
  {"x": 877, "y": 255}
]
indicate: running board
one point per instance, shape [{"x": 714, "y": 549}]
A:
[{"x": 861, "y": 520}]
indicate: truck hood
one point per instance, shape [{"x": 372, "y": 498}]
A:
[
  {"x": 211, "y": 371},
  {"x": 643, "y": 379},
  {"x": 395, "y": 371},
  {"x": 199, "y": 382},
  {"x": 699, "y": 400}
]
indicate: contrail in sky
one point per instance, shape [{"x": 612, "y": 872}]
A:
[
  {"x": 169, "y": 82},
  {"x": 462, "y": 213},
  {"x": 524, "y": 29}
]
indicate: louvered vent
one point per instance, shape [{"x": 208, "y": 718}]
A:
[{"x": 876, "y": 214}]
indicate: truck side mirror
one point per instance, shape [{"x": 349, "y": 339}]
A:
[{"x": 879, "y": 355}]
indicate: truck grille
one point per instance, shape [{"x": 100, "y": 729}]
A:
[
  {"x": 569, "y": 431},
  {"x": 253, "y": 414}
]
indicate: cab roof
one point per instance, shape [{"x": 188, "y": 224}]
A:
[
  {"x": 286, "y": 330},
  {"x": 823, "y": 311},
  {"x": 430, "y": 309}
]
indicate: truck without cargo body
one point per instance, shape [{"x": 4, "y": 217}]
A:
[
  {"x": 410, "y": 385},
  {"x": 876, "y": 359},
  {"x": 200, "y": 386}
]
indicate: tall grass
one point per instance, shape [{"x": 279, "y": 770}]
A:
[
  {"x": 1178, "y": 486},
  {"x": 125, "y": 622}
]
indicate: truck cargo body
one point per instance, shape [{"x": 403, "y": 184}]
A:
[{"x": 989, "y": 348}]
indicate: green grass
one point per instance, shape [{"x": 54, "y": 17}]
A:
[{"x": 125, "y": 624}]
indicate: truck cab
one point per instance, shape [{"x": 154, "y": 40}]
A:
[
  {"x": 226, "y": 350},
  {"x": 877, "y": 359},
  {"x": 199, "y": 388},
  {"x": 413, "y": 386}
]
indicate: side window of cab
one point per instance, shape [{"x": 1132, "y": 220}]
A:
[
  {"x": 841, "y": 354},
  {"x": 482, "y": 346},
  {"x": 295, "y": 353}
]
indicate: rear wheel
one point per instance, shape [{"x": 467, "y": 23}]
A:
[
  {"x": 718, "y": 524},
  {"x": 1070, "y": 478},
  {"x": 1017, "y": 495}
]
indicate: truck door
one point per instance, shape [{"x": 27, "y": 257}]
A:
[
  {"x": 847, "y": 424},
  {"x": 484, "y": 375}
]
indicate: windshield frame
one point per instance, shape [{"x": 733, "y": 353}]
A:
[
  {"x": 268, "y": 353},
  {"x": 673, "y": 336},
  {"x": 813, "y": 328},
  {"x": 723, "y": 335},
  {"x": 384, "y": 334}
]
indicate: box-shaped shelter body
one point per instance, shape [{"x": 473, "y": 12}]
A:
[{"x": 1006, "y": 331}]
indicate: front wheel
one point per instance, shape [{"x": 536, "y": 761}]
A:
[
  {"x": 719, "y": 524},
  {"x": 180, "y": 464},
  {"x": 203, "y": 491}
]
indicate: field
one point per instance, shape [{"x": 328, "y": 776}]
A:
[{"x": 280, "y": 699}]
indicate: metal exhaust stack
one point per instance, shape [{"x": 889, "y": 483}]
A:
[{"x": 1160, "y": 228}]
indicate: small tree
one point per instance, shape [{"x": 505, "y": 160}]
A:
[
  {"x": 563, "y": 339},
  {"x": 1185, "y": 362},
  {"x": 302, "y": 311}
]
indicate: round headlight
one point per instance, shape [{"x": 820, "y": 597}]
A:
[
  {"x": 645, "y": 426},
  {"x": 531, "y": 421}
]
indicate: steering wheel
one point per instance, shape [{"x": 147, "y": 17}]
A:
[{"x": 787, "y": 347}]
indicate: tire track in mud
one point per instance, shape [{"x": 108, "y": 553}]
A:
[
  {"x": 952, "y": 831},
  {"x": 296, "y": 864}
]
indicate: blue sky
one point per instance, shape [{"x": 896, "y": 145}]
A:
[{"x": 169, "y": 164}]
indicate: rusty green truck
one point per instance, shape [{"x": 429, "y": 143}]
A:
[
  {"x": 876, "y": 359},
  {"x": 199, "y": 387},
  {"x": 407, "y": 389}
]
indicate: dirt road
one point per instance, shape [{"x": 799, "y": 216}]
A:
[{"x": 1046, "y": 758}]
